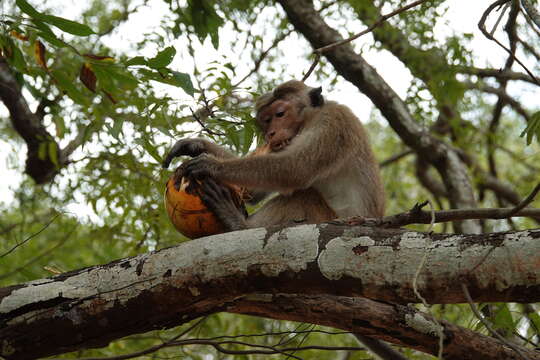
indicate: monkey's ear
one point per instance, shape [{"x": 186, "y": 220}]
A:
[{"x": 315, "y": 97}]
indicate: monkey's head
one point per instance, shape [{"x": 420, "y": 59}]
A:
[{"x": 279, "y": 113}]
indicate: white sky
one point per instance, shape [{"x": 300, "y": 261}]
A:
[{"x": 462, "y": 16}]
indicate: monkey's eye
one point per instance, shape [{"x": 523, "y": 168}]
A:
[
  {"x": 267, "y": 120},
  {"x": 280, "y": 114}
]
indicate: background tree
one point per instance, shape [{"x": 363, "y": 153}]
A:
[{"x": 96, "y": 103}]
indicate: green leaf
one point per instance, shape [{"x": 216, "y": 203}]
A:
[
  {"x": 137, "y": 60},
  {"x": 42, "y": 150},
  {"x": 183, "y": 80},
  {"x": 533, "y": 128},
  {"x": 28, "y": 9},
  {"x": 68, "y": 26},
  {"x": 124, "y": 78},
  {"x": 113, "y": 78},
  {"x": 87, "y": 131},
  {"x": 116, "y": 128},
  {"x": 67, "y": 85},
  {"x": 63, "y": 24},
  {"x": 248, "y": 139},
  {"x": 163, "y": 58},
  {"x": 60, "y": 126},
  {"x": 17, "y": 58},
  {"x": 205, "y": 20},
  {"x": 503, "y": 319},
  {"x": 105, "y": 80},
  {"x": 535, "y": 318},
  {"x": 43, "y": 27},
  {"x": 53, "y": 153},
  {"x": 150, "y": 149},
  {"x": 172, "y": 78},
  {"x": 232, "y": 135},
  {"x": 51, "y": 39}
]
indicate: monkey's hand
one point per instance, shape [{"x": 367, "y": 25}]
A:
[
  {"x": 189, "y": 147},
  {"x": 202, "y": 167},
  {"x": 219, "y": 200}
]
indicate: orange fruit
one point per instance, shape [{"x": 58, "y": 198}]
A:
[{"x": 188, "y": 213}]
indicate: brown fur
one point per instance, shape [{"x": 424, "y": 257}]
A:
[{"x": 320, "y": 163}]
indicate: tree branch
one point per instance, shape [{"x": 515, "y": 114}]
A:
[
  {"x": 175, "y": 285},
  {"x": 397, "y": 324},
  {"x": 416, "y": 216},
  {"x": 500, "y": 74},
  {"x": 482, "y": 27},
  {"x": 42, "y": 146}
]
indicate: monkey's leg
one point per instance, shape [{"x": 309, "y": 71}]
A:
[{"x": 219, "y": 200}]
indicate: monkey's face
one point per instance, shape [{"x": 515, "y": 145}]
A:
[{"x": 280, "y": 123}]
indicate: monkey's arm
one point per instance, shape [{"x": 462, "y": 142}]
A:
[
  {"x": 195, "y": 147},
  {"x": 323, "y": 147}
]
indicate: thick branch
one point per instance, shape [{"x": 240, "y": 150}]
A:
[
  {"x": 397, "y": 324},
  {"x": 28, "y": 126},
  {"x": 92, "y": 306},
  {"x": 41, "y": 145}
]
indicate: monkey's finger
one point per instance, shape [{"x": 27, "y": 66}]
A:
[
  {"x": 212, "y": 196},
  {"x": 196, "y": 167},
  {"x": 174, "y": 152},
  {"x": 190, "y": 147},
  {"x": 209, "y": 192},
  {"x": 210, "y": 185}
]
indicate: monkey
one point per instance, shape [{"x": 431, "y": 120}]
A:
[{"x": 319, "y": 162}]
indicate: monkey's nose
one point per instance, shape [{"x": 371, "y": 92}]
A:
[{"x": 270, "y": 134}]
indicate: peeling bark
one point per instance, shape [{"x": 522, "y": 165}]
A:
[{"x": 92, "y": 306}]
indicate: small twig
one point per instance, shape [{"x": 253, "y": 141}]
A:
[
  {"x": 529, "y": 199},
  {"x": 205, "y": 128},
  {"x": 312, "y": 67},
  {"x": 495, "y": 73},
  {"x": 31, "y": 236},
  {"x": 501, "y": 93},
  {"x": 531, "y": 11},
  {"x": 370, "y": 28},
  {"x": 530, "y": 22},
  {"x": 318, "y": 52},
  {"x": 152, "y": 349},
  {"x": 510, "y": 29},
  {"x": 40, "y": 256},
  {"x": 262, "y": 56},
  {"x": 395, "y": 158},
  {"x": 424, "y": 217},
  {"x": 301, "y": 342},
  {"x": 482, "y": 27},
  {"x": 520, "y": 159},
  {"x": 499, "y": 18},
  {"x": 487, "y": 325}
]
